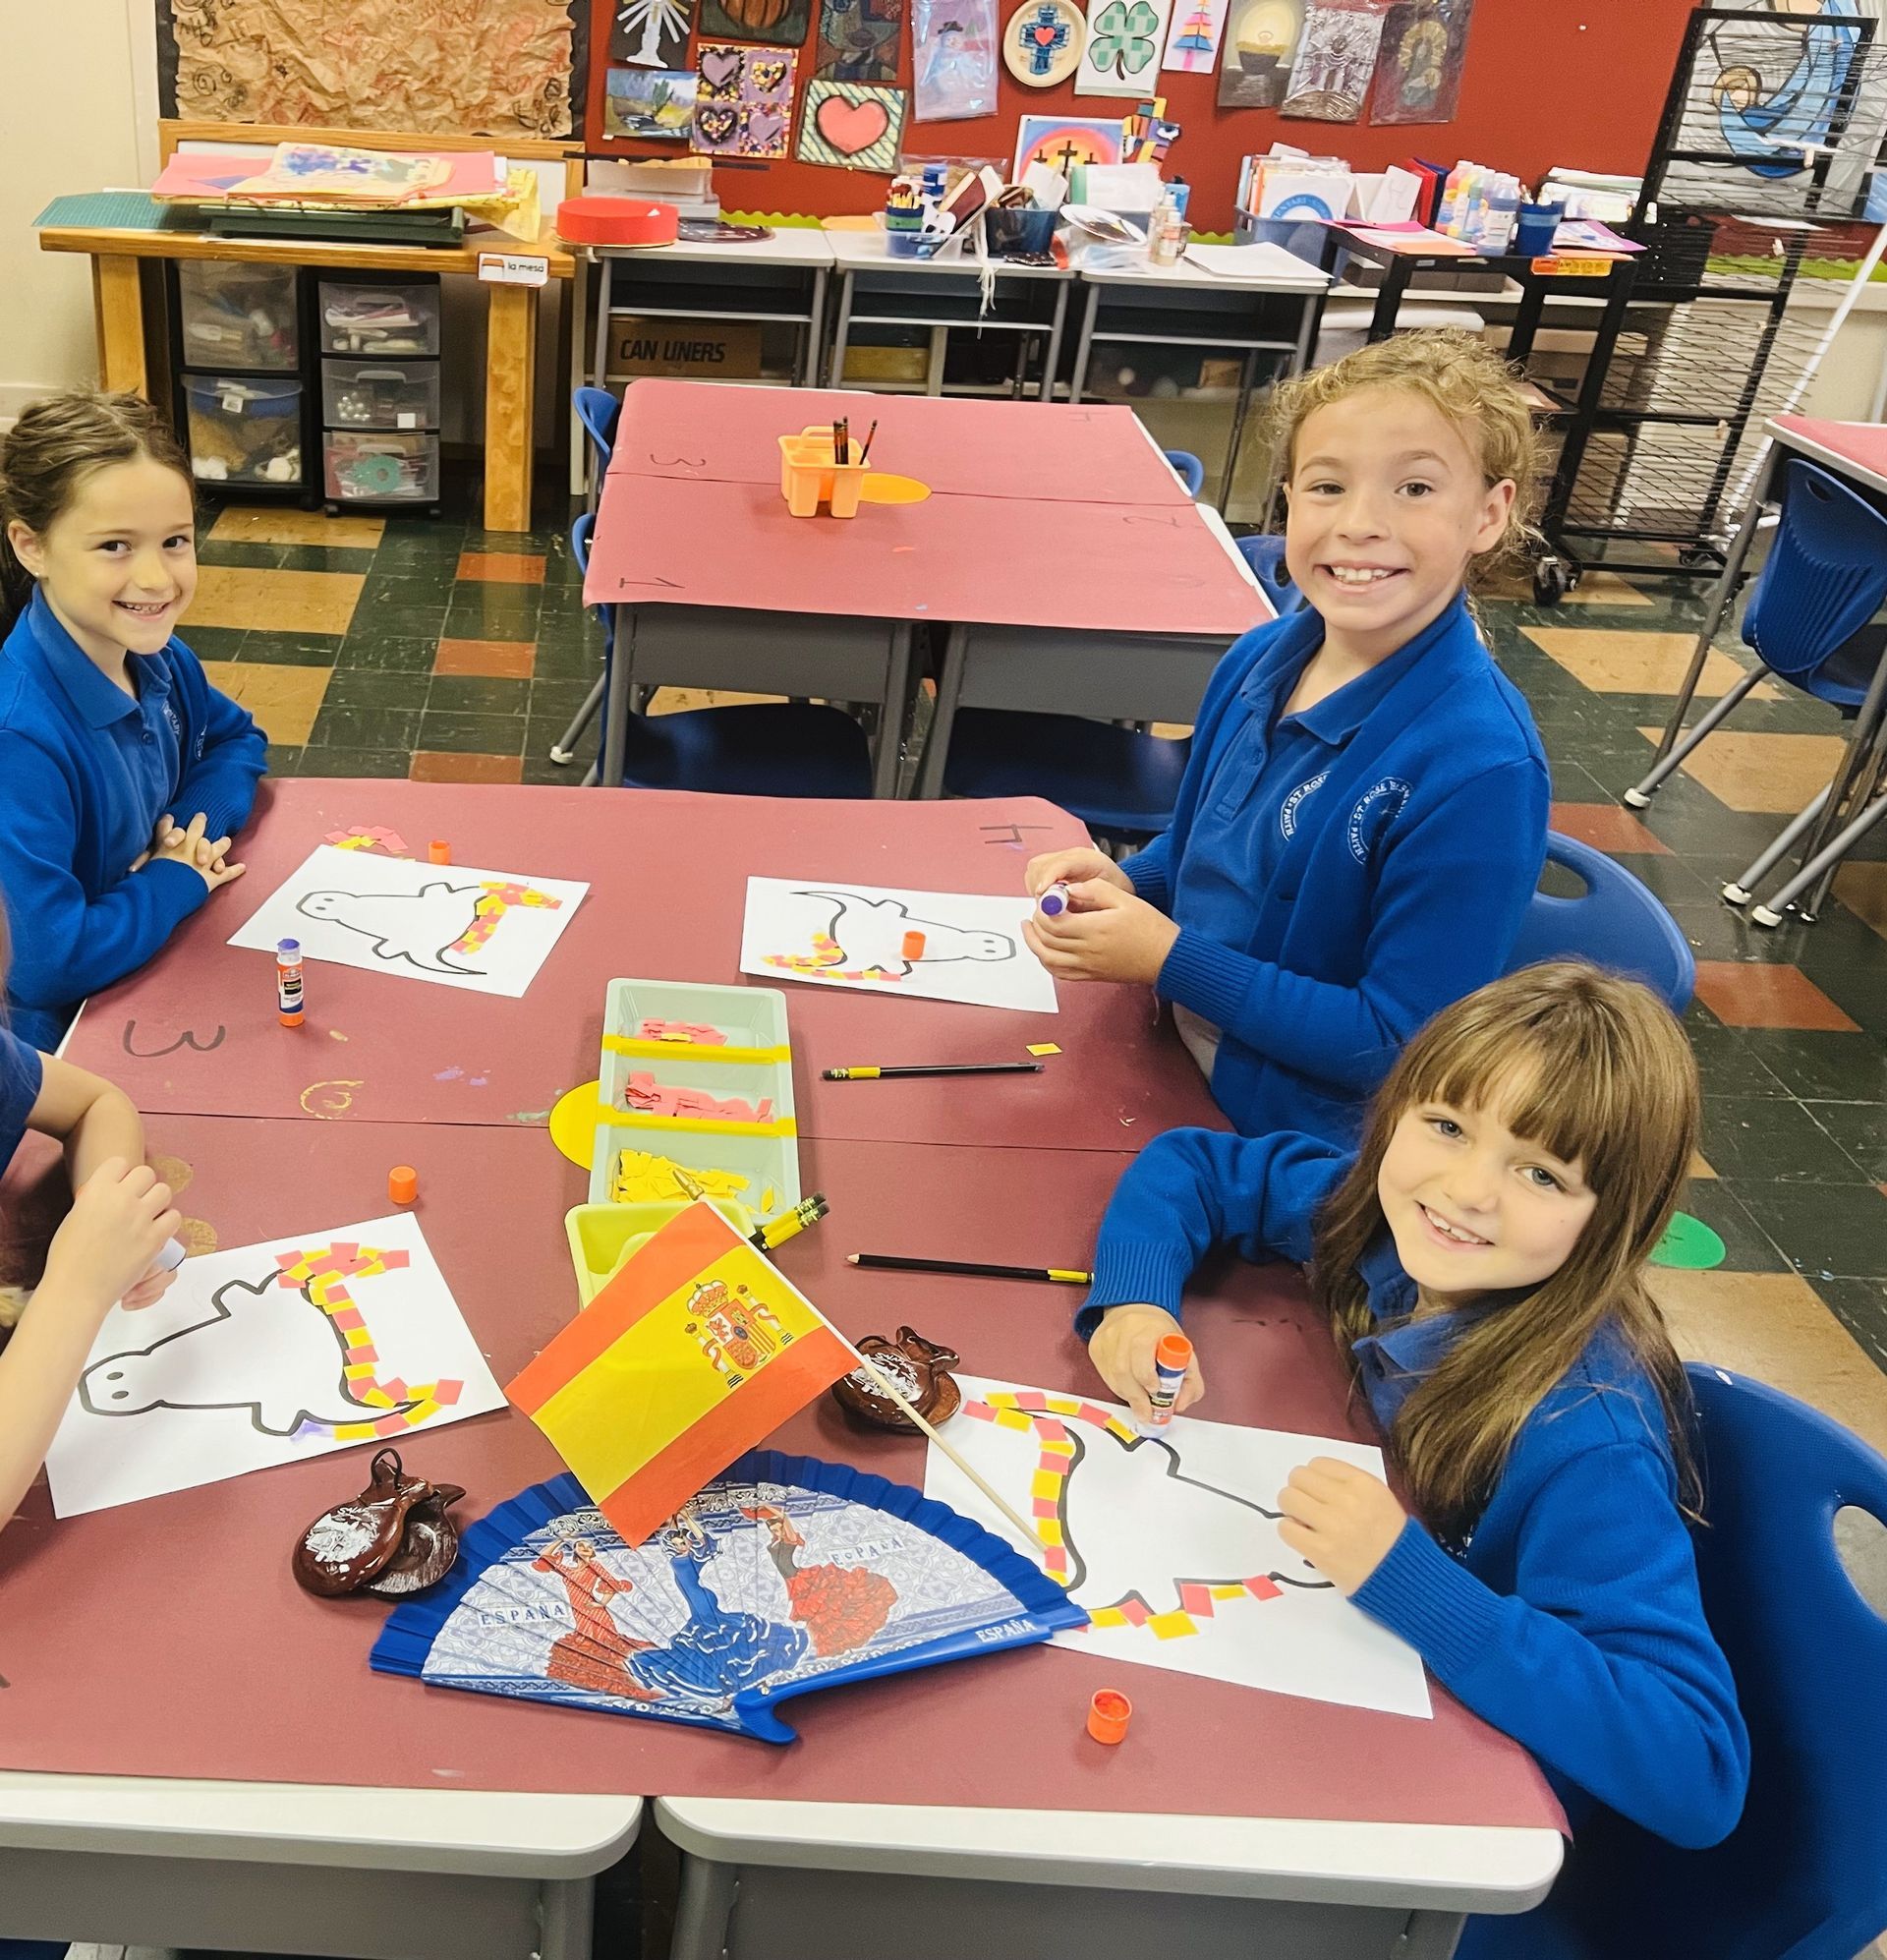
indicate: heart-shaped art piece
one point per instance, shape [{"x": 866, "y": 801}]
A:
[
  {"x": 766, "y": 73},
  {"x": 719, "y": 66},
  {"x": 765, "y": 127},
  {"x": 851, "y": 128},
  {"x": 715, "y": 123}
]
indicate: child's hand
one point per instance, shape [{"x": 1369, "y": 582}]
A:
[
  {"x": 116, "y": 1226},
  {"x": 1072, "y": 867},
  {"x": 206, "y": 856},
  {"x": 150, "y": 1289},
  {"x": 1340, "y": 1518},
  {"x": 1121, "y": 1352},
  {"x": 1104, "y": 935}
]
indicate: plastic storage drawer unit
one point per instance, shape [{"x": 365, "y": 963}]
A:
[{"x": 243, "y": 430}]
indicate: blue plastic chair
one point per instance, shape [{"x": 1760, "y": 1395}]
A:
[
  {"x": 1617, "y": 921},
  {"x": 1264, "y": 555},
  {"x": 598, "y": 409},
  {"x": 752, "y": 749},
  {"x": 1189, "y": 469},
  {"x": 1119, "y": 783},
  {"x": 1804, "y": 1875}
]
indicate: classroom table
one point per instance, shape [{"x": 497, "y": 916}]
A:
[
  {"x": 196, "y": 1030},
  {"x": 1060, "y": 533},
  {"x": 1354, "y": 1801},
  {"x": 121, "y": 258},
  {"x": 1855, "y": 452},
  {"x": 1189, "y": 305},
  {"x": 937, "y": 294}
]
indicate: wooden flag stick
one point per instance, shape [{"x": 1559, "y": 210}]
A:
[{"x": 887, "y": 1387}]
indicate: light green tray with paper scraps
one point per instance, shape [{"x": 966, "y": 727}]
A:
[{"x": 602, "y": 1235}]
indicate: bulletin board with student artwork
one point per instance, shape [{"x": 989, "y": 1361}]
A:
[
  {"x": 1521, "y": 86},
  {"x": 499, "y": 68}
]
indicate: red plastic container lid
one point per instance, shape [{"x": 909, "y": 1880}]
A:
[{"x": 617, "y": 221}]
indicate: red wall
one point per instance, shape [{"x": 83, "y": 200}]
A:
[{"x": 1547, "y": 82}]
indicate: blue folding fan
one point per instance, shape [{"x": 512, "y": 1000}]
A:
[{"x": 783, "y": 1575}]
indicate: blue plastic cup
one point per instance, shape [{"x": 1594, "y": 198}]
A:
[{"x": 1534, "y": 229}]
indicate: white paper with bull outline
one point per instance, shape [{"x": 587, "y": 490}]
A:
[
  {"x": 234, "y": 1371},
  {"x": 840, "y": 934},
  {"x": 393, "y": 915},
  {"x": 1195, "y": 1503}
]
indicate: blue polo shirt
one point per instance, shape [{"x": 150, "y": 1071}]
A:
[{"x": 21, "y": 1073}]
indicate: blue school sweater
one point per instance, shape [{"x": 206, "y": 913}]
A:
[
  {"x": 21, "y": 1075},
  {"x": 1569, "y": 1619},
  {"x": 1385, "y": 877},
  {"x": 86, "y": 771}
]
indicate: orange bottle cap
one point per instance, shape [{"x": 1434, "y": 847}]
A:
[
  {"x": 402, "y": 1184},
  {"x": 913, "y": 945},
  {"x": 1174, "y": 1351},
  {"x": 1109, "y": 1714},
  {"x": 438, "y": 851}
]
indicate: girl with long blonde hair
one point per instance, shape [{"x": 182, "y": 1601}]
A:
[{"x": 1481, "y": 1259}]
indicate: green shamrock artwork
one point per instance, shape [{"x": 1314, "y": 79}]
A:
[{"x": 1123, "y": 46}]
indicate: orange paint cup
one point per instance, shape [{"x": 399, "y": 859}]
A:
[{"x": 1109, "y": 1714}]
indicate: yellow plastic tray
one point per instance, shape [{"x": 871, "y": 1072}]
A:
[{"x": 602, "y": 1235}]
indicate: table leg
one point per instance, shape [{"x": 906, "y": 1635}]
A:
[
  {"x": 510, "y": 376},
  {"x": 940, "y": 349},
  {"x": 621, "y": 673},
  {"x": 704, "y": 1910},
  {"x": 580, "y": 376},
  {"x": 937, "y": 745},
  {"x": 892, "y": 712},
  {"x": 1240, "y": 409},
  {"x": 1084, "y": 341},
  {"x": 1052, "y": 359},
  {"x": 118, "y": 313},
  {"x": 1429, "y": 1937},
  {"x": 841, "y": 333},
  {"x": 1389, "y": 300},
  {"x": 566, "y": 1908},
  {"x": 815, "y": 332}
]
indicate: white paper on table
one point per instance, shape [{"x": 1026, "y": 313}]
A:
[
  {"x": 1123, "y": 187},
  {"x": 243, "y": 1364},
  {"x": 488, "y": 932},
  {"x": 1194, "y": 1507},
  {"x": 1261, "y": 260},
  {"x": 1393, "y": 200},
  {"x": 853, "y": 936}
]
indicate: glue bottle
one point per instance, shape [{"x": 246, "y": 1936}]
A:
[{"x": 289, "y": 1004}]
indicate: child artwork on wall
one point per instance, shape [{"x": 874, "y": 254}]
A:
[
  {"x": 488, "y": 932},
  {"x": 851, "y": 125},
  {"x": 1197, "y": 34},
  {"x": 1170, "y": 1543},
  {"x": 781, "y": 23},
  {"x": 744, "y": 100},
  {"x": 1043, "y": 41},
  {"x": 858, "y": 40},
  {"x": 1336, "y": 57},
  {"x": 1260, "y": 41},
  {"x": 266, "y": 1354},
  {"x": 1123, "y": 52},
  {"x": 649, "y": 33},
  {"x": 936, "y": 945},
  {"x": 1418, "y": 73},
  {"x": 650, "y": 102},
  {"x": 1064, "y": 142},
  {"x": 952, "y": 59}
]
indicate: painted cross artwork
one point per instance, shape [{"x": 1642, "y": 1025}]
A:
[
  {"x": 851, "y": 125},
  {"x": 1043, "y": 41},
  {"x": 858, "y": 40},
  {"x": 744, "y": 100},
  {"x": 1418, "y": 70},
  {"x": 266, "y": 1354},
  {"x": 779, "y": 23},
  {"x": 1336, "y": 57},
  {"x": 485, "y": 931},
  {"x": 651, "y": 33},
  {"x": 1123, "y": 52},
  {"x": 1170, "y": 1543},
  {"x": 650, "y": 102},
  {"x": 938, "y": 945},
  {"x": 1197, "y": 34},
  {"x": 782, "y": 1574},
  {"x": 1261, "y": 37},
  {"x": 1063, "y": 142}
]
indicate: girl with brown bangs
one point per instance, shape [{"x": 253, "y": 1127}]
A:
[{"x": 1482, "y": 1258}]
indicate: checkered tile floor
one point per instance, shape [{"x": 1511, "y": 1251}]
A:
[{"x": 407, "y": 647}]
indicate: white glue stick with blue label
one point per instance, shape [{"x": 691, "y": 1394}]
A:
[
  {"x": 1055, "y": 901},
  {"x": 1171, "y": 1360},
  {"x": 170, "y": 1255}
]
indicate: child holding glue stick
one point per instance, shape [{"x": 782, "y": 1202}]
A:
[
  {"x": 1363, "y": 818},
  {"x": 116, "y": 1242},
  {"x": 1481, "y": 1262},
  {"x": 123, "y": 772}
]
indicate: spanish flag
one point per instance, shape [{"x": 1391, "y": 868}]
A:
[{"x": 695, "y": 1352}]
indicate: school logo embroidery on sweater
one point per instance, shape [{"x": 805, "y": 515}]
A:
[
  {"x": 1375, "y": 811},
  {"x": 173, "y": 721},
  {"x": 1287, "y": 809}
]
